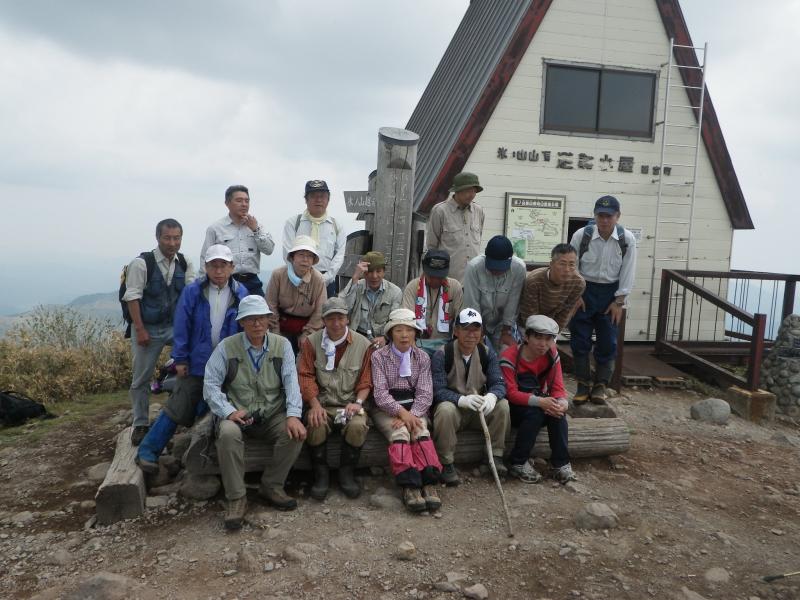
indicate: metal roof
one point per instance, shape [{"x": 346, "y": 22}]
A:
[{"x": 458, "y": 82}]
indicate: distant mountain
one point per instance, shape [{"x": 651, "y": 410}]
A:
[{"x": 97, "y": 306}]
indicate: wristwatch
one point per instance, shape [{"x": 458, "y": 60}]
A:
[{"x": 620, "y": 301}]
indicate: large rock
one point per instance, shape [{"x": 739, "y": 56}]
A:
[
  {"x": 717, "y": 575},
  {"x": 200, "y": 487},
  {"x": 406, "y": 551},
  {"x": 596, "y": 515},
  {"x": 476, "y": 592},
  {"x": 109, "y": 586},
  {"x": 98, "y": 472},
  {"x": 711, "y": 410}
]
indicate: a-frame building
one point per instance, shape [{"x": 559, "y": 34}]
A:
[{"x": 556, "y": 102}]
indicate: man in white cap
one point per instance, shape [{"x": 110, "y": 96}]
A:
[
  {"x": 241, "y": 232},
  {"x": 260, "y": 399},
  {"x": 205, "y": 315},
  {"x": 467, "y": 379},
  {"x": 335, "y": 381},
  {"x": 326, "y": 232},
  {"x": 535, "y": 391}
]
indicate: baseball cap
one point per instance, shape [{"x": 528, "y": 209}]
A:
[
  {"x": 469, "y": 316},
  {"x": 316, "y": 185},
  {"x": 334, "y": 305},
  {"x": 606, "y": 204},
  {"x": 219, "y": 252},
  {"x": 251, "y": 306},
  {"x": 498, "y": 253},
  {"x": 436, "y": 263}
]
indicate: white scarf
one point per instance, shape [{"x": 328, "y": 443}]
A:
[
  {"x": 315, "y": 224},
  {"x": 442, "y": 322},
  {"x": 329, "y": 347},
  {"x": 405, "y": 361}
]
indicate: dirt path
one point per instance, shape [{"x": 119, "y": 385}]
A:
[{"x": 702, "y": 509}]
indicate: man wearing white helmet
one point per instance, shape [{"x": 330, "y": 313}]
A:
[
  {"x": 251, "y": 386},
  {"x": 536, "y": 394}
]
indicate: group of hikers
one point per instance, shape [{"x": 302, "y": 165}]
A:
[{"x": 475, "y": 333}]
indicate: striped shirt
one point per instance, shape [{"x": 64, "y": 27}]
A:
[
  {"x": 540, "y": 296},
  {"x": 386, "y": 376}
]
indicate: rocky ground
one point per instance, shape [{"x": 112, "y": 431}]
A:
[{"x": 694, "y": 510}]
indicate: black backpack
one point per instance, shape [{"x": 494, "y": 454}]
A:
[
  {"x": 149, "y": 259},
  {"x": 588, "y": 232}
]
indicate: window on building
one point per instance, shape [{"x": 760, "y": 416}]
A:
[{"x": 599, "y": 101}]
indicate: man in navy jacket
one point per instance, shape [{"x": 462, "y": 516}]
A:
[{"x": 205, "y": 315}]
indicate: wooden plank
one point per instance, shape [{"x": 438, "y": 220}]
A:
[
  {"x": 587, "y": 438},
  {"x": 359, "y": 202},
  {"x": 122, "y": 493}
]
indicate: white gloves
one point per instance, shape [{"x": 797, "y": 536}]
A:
[
  {"x": 471, "y": 402},
  {"x": 489, "y": 402}
]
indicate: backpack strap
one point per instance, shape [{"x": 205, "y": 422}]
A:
[
  {"x": 483, "y": 353},
  {"x": 449, "y": 353},
  {"x": 623, "y": 243},
  {"x": 182, "y": 261},
  {"x": 230, "y": 374},
  {"x": 588, "y": 232},
  {"x": 300, "y": 217}
]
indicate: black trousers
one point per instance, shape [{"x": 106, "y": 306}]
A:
[{"x": 529, "y": 420}]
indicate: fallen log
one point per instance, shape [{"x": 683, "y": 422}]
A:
[
  {"x": 587, "y": 438},
  {"x": 122, "y": 493}
]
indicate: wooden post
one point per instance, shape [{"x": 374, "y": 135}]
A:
[
  {"x": 369, "y": 218},
  {"x": 122, "y": 493},
  {"x": 394, "y": 198}
]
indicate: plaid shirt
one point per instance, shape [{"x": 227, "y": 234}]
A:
[{"x": 386, "y": 376}]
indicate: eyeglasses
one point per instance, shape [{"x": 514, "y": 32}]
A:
[{"x": 256, "y": 319}]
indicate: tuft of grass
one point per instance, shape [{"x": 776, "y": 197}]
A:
[{"x": 69, "y": 413}]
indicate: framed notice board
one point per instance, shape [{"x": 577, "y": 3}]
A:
[{"x": 534, "y": 224}]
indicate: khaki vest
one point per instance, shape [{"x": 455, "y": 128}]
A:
[
  {"x": 337, "y": 387},
  {"x": 256, "y": 392},
  {"x": 463, "y": 381}
]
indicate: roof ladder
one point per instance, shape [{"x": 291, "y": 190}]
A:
[{"x": 674, "y": 139}]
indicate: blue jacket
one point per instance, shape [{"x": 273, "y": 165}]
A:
[{"x": 191, "y": 337}]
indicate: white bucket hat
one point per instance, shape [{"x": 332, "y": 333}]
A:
[
  {"x": 219, "y": 251},
  {"x": 251, "y": 306},
  {"x": 304, "y": 242},
  {"x": 401, "y": 316},
  {"x": 541, "y": 324}
]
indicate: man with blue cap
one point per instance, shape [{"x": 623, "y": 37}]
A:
[{"x": 607, "y": 261}]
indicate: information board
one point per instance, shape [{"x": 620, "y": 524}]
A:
[{"x": 534, "y": 224}]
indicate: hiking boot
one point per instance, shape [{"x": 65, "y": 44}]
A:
[
  {"x": 277, "y": 497},
  {"x": 347, "y": 471},
  {"x": 583, "y": 373},
  {"x": 138, "y": 432},
  {"x": 413, "y": 500},
  {"x": 499, "y": 465},
  {"x": 564, "y": 473},
  {"x": 320, "y": 470},
  {"x": 449, "y": 475},
  {"x": 432, "y": 500},
  {"x": 525, "y": 473},
  {"x": 234, "y": 516},
  {"x": 599, "y": 394},
  {"x": 147, "y": 466}
]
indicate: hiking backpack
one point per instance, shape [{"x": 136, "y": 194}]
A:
[{"x": 588, "y": 232}]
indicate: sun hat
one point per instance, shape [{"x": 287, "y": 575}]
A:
[
  {"x": 465, "y": 180},
  {"x": 304, "y": 242},
  {"x": 401, "y": 316},
  {"x": 251, "y": 306}
]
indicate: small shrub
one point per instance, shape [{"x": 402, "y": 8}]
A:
[{"x": 58, "y": 354}]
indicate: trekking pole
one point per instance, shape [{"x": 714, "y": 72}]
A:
[
  {"x": 769, "y": 578},
  {"x": 488, "y": 440}
]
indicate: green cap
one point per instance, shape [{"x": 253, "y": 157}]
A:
[
  {"x": 376, "y": 260},
  {"x": 465, "y": 180}
]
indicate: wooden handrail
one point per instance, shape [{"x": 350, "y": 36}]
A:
[{"x": 699, "y": 290}]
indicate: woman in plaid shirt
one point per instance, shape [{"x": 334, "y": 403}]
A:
[{"x": 403, "y": 390}]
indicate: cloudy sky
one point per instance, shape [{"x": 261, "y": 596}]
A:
[{"x": 116, "y": 114}]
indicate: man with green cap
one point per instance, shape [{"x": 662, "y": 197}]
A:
[
  {"x": 370, "y": 298},
  {"x": 456, "y": 225}
]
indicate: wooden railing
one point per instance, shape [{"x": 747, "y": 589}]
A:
[{"x": 705, "y": 328}]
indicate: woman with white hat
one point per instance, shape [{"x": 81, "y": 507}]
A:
[
  {"x": 296, "y": 293},
  {"x": 403, "y": 392}
]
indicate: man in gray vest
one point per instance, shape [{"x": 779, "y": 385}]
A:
[
  {"x": 261, "y": 399},
  {"x": 467, "y": 379},
  {"x": 370, "y": 298},
  {"x": 153, "y": 282},
  {"x": 335, "y": 379}
]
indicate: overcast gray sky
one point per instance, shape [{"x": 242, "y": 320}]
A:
[{"x": 116, "y": 114}]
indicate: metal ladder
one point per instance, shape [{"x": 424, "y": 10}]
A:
[{"x": 690, "y": 183}]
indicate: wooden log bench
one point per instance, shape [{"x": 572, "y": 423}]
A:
[
  {"x": 587, "y": 438},
  {"x": 122, "y": 493}
]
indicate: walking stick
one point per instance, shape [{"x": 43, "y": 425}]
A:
[
  {"x": 769, "y": 578},
  {"x": 494, "y": 471}
]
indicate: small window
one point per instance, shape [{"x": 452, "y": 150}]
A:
[{"x": 599, "y": 101}]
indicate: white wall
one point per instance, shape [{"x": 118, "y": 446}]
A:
[{"x": 614, "y": 33}]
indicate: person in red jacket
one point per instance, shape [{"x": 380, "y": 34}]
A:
[{"x": 536, "y": 396}]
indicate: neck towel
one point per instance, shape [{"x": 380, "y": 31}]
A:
[
  {"x": 405, "y": 361},
  {"x": 421, "y": 308},
  {"x": 294, "y": 279},
  {"x": 329, "y": 346},
  {"x": 315, "y": 223}
]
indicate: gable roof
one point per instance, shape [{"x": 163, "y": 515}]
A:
[{"x": 473, "y": 74}]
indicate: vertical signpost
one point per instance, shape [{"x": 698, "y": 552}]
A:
[{"x": 394, "y": 198}]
